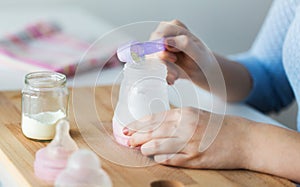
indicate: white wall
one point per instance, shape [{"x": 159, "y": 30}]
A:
[{"x": 226, "y": 26}]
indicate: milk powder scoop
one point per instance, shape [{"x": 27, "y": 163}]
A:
[{"x": 135, "y": 52}]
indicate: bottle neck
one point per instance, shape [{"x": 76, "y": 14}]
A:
[{"x": 148, "y": 68}]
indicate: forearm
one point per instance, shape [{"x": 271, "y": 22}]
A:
[
  {"x": 237, "y": 79},
  {"x": 274, "y": 150}
]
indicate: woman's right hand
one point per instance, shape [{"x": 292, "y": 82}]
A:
[
  {"x": 184, "y": 54},
  {"x": 187, "y": 57}
]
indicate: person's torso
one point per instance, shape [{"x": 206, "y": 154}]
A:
[{"x": 291, "y": 57}]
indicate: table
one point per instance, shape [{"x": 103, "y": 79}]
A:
[{"x": 17, "y": 152}]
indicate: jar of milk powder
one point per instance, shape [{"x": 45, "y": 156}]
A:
[{"x": 44, "y": 102}]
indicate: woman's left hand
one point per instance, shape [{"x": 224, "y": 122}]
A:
[{"x": 174, "y": 137}]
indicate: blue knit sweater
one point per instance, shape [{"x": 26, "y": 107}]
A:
[{"x": 274, "y": 59}]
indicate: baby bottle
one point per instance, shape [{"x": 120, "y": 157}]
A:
[{"x": 143, "y": 92}]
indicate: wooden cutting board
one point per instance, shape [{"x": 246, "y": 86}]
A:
[{"x": 91, "y": 111}]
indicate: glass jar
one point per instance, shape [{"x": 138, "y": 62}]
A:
[
  {"x": 143, "y": 92},
  {"x": 44, "y": 102}
]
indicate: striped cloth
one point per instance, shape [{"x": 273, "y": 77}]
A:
[{"x": 45, "y": 45}]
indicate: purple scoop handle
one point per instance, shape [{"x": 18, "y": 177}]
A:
[
  {"x": 139, "y": 49},
  {"x": 153, "y": 46}
]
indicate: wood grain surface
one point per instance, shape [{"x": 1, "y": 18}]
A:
[{"x": 90, "y": 113}]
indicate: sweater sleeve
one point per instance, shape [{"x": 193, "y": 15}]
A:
[{"x": 271, "y": 90}]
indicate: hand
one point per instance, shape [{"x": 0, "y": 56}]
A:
[
  {"x": 173, "y": 138},
  {"x": 184, "y": 54}
]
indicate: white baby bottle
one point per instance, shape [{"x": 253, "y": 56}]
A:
[{"x": 143, "y": 92}]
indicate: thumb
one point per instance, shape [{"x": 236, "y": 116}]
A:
[
  {"x": 170, "y": 44},
  {"x": 182, "y": 43}
]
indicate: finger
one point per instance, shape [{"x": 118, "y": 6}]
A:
[
  {"x": 170, "y": 80},
  {"x": 185, "y": 44},
  {"x": 171, "y": 28},
  {"x": 147, "y": 123},
  {"x": 167, "y": 56},
  {"x": 173, "y": 72},
  {"x": 170, "y": 45},
  {"x": 162, "y": 146},
  {"x": 172, "y": 77},
  {"x": 178, "y": 23},
  {"x": 178, "y": 159},
  {"x": 165, "y": 130}
]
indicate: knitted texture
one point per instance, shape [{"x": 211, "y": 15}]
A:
[
  {"x": 273, "y": 60},
  {"x": 291, "y": 57}
]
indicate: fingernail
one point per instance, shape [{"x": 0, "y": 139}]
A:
[
  {"x": 171, "y": 42},
  {"x": 125, "y": 131},
  {"x": 173, "y": 57},
  {"x": 129, "y": 144},
  {"x": 170, "y": 82}
]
